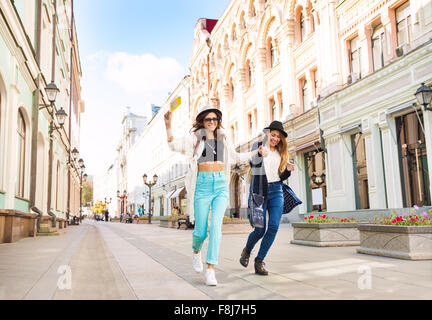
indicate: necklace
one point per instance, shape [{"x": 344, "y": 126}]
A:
[{"x": 213, "y": 149}]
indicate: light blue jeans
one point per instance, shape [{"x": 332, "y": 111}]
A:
[{"x": 211, "y": 191}]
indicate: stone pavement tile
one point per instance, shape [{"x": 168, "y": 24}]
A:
[
  {"x": 95, "y": 274},
  {"x": 296, "y": 272},
  {"x": 31, "y": 264},
  {"x": 148, "y": 278},
  {"x": 228, "y": 287}
]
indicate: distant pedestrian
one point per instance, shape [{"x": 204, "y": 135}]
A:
[
  {"x": 210, "y": 156},
  {"x": 107, "y": 215},
  {"x": 269, "y": 168}
]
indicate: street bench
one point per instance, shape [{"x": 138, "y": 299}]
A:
[{"x": 186, "y": 222}]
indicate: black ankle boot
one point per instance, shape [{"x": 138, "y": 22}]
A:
[
  {"x": 244, "y": 259},
  {"x": 259, "y": 267}
]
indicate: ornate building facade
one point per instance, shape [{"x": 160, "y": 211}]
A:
[
  {"x": 38, "y": 46},
  {"x": 341, "y": 76}
]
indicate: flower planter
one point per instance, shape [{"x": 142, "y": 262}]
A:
[
  {"x": 236, "y": 227},
  {"x": 167, "y": 223},
  {"x": 401, "y": 242},
  {"x": 326, "y": 234}
]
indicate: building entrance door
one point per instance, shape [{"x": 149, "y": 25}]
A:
[
  {"x": 360, "y": 171},
  {"x": 413, "y": 160},
  {"x": 316, "y": 181}
]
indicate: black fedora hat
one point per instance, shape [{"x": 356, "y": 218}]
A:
[
  {"x": 277, "y": 125},
  {"x": 208, "y": 108}
]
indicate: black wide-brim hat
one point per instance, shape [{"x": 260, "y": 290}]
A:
[
  {"x": 277, "y": 125},
  {"x": 207, "y": 109}
]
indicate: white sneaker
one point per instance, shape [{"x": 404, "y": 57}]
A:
[
  {"x": 196, "y": 262},
  {"x": 210, "y": 277}
]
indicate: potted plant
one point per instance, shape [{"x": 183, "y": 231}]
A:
[
  {"x": 323, "y": 231},
  {"x": 405, "y": 236}
]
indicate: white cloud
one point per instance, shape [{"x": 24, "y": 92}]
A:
[
  {"x": 144, "y": 74},
  {"x": 111, "y": 82}
]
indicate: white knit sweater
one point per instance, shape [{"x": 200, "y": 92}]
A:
[{"x": 186, "y": 144}]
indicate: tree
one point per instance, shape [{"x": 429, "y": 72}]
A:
[{"x": 87, "y": 194}]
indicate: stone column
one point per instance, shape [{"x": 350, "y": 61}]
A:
[
  {"x": 286, "y": 41},
  {"x": 374, "y": 162},
  {"x": 262, "y": 104},
  {"x": 427, "y": 116},
  {"x": 391, "y": 161}
]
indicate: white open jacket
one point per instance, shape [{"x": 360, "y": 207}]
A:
[{"x": 186, "y": 145}]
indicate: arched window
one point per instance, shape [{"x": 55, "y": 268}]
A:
[
  {"x": 242, "y": 21},
  {"x": 302, "y": 27},
  {"x": 248, "y": 74},
  {"x": 270, "y": 53},
  {"x": 233, "y": 33},
  {"x": 21, "y": 159},
  {"x": 252, "y": 11},
  {"x": 231, "y": 90}
]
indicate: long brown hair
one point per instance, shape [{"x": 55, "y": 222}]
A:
[{"x": 282, "y": 148}]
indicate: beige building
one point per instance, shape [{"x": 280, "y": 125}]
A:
[
  {"x": 38, "y": 173},
  {"x": 335, "y": 73}
]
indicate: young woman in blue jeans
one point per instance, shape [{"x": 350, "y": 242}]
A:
[
  {"x": 210, "y": 156},
  {"x": 269, "y": 168}
]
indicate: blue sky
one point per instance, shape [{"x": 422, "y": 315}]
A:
[{"x": 132, "y": 53}]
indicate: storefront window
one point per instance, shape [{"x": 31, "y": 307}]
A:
[
  {"x": 413, "y": 160},
  {"x": 316, "y": 181},
  {"x": 360, "y": 171}
]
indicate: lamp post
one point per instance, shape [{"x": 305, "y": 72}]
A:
[
  {"x": 83, "y": 178},
  {"x": 59, "y": 115},
  {"x": 424, "y": 96},
  {"x": 122, "y": 198},
  {"x": 150, "y": 185}
]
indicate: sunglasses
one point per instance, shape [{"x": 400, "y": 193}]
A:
[{"x": 211, "y": 119}]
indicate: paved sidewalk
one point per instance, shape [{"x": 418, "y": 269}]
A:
[
  {"x": 112, "y": 261},
  {"x": 296, "y": 272}
]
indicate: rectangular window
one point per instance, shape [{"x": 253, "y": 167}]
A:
[
  {"x": 21, "y": 135},
  {"x": 355, "y": 59},
  {"x": 305, "y": 94},
  {"x": 279, "y": 95},
  {"x": 255, "y": 119},
  {"x": 378, "y": 42},
  {"x": 272, "y": 105},
  {"x": 403, "y": 24},
  {"x": 250, "y": 123}
]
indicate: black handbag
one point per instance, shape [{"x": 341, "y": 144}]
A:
[
  {"x": 290, "y": 199},
  {"x": 256, "y": 210}
]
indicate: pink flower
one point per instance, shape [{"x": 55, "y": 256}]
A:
[{"x": 416, "y": 207}]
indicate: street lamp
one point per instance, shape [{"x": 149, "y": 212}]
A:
[
  {"x": 52, "y": 91},
  {"x": 150, "y": 185},
  {"x": 83, "y": 178},
  {"x": 424, "y": 96},
  {"x": 122, "y": 198}
]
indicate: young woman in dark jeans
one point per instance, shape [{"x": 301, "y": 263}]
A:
[{"x": 269, "y": 168}]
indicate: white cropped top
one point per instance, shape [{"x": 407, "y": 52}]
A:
[{"x": 271, "y": 165}]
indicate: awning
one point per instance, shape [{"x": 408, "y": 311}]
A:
[
  {"x": 401, "y": 107},
  {"x": 307, "y": 145},
  {"x": 353, "y": 127},
  {"x": 176, "y": 193}
]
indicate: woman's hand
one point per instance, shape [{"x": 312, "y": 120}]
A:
[
  {"x": 290, "y": 166},
  {"x": 264, "y": 151},
  {"x": 167, "y": 118}
]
